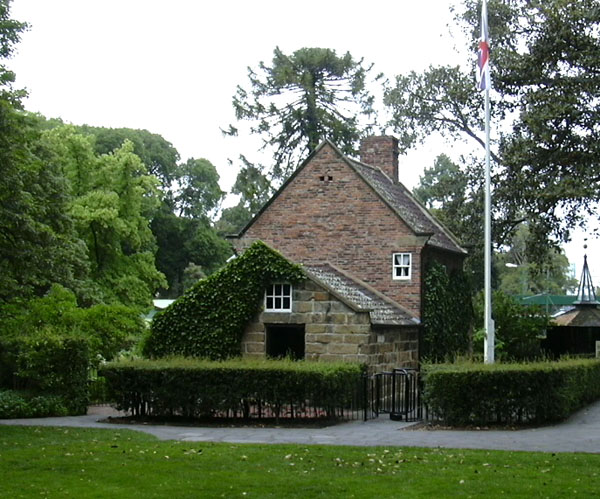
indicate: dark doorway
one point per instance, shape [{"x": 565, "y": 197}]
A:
[{"x": 285, "y": 340}]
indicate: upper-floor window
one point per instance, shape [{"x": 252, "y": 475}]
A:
[
  {"x": 401, "y": 265},
  {"x": 278, "y": 298}
]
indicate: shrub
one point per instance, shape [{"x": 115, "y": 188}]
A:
[
  {"x": 14, "y": 404},
  {"x": 518, "y": 328},
  {"x": 192, "y": 387},
  {"x": 48, "y": 362},
  {"x": 465, "y": 394},
  {"x": 208, "y": 320}
]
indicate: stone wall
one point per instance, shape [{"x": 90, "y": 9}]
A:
[{"x": 336, "y": 332}]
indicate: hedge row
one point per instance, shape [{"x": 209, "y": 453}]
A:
[
  {"x": 200, "y": 388},
  {"x": 469, "y": 394}
]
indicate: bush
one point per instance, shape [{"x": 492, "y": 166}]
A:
[
  {"x": 15, "y": 404},
  {"x": 543, "y": 392},
  {"x": 48, "y": 362},
  {"x": 209, "y": 319},
  {"x": 518, "y": 328},
  {"x": 194, "y": 388},
  {"x": 110, "y": 328}
]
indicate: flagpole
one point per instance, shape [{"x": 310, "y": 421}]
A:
[
  {"x": 489, "y": 322},
  {"x": 484, "y": 84}
]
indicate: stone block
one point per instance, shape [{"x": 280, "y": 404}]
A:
[
  {"x": 255, "y": 327},
  {"x": 303, "y": 307},
  {"x": 254, "y": 337},
  {"x": 338, "y": 318},
  {"x": 321, "y": 296},
  {"x": 255, "y": 348},
  {"x": 315, "y": 348},
  {"x": 343, "y": 348},
  {"x": 315, "y": 329},
  {"x": 357, "y": 339}
]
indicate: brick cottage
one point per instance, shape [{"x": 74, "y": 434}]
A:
[{"x": 364, "y": 241}]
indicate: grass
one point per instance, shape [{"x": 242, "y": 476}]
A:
[{"x": 70, "y": 462}]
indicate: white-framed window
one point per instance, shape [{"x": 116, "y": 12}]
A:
[
  {"x": 278, "y": 298},
  {"x": 401, "y": 265}
]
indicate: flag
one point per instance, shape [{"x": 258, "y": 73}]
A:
[{"x": 483, "y": 73}]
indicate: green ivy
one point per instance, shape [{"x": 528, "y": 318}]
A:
[
  {"x": 447, "y": 313},
  {"x": 209, "y": 319}
]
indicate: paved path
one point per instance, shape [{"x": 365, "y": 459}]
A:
[{"x": 580, "y": 433}]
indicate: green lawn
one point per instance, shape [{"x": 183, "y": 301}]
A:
[{"x": 68, "y": 462}]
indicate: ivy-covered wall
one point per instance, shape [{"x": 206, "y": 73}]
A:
[
  {"x": 447, "y": 313},
  {"x": 208, "y": 321}
]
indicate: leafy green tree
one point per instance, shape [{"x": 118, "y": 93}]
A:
[
  {"x": 303, "y": 98},
  {"x": 199, "y": 193},
  {"x": 546, "y": 92},
  {"x": 113, "y": 200},
  {"x": 38, "y": 244},
  {"x": 159, "y": 155},
  {"x": 518, "y": 276}
]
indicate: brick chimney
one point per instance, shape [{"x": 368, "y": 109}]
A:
[{"x": 381, "y": 151}]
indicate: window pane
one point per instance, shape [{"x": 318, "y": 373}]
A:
[
  {"x": 286, "y": 290},
  {"x": 269, "y": 302},
  {"x": 406, "y": 259},
  {"x": 286, "y": 303},
  {"x": 277, "y": 302},
  {"x": 277, "y": 289}
]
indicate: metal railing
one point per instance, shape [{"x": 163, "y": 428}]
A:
[{"x": 396, "y": 393}]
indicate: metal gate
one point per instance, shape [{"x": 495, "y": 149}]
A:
[{"x": 396, "y": 393}]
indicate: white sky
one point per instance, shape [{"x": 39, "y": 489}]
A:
[{"x": 173, "y": 67}]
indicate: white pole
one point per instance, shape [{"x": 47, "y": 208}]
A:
[
  {"x": 484, "y": 84},
  {"x": 488, "y": 353}
]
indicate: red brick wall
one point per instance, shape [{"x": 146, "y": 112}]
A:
[
  {"x": 341, "y": 221},
  {"x": 381, "y": 151}
]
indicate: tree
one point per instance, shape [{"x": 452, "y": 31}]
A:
[
  {"x": 199, "y": 191},
  {"x": 301, "y": 99},
  {"x": 113, "y": 199},
  {"x": 38, "y": 245},
  {"x": 547, "y": 93},
  {"x": 455, "y": 197},
  {"x": 159, "y": 155}
]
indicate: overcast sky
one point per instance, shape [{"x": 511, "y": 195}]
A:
[{"x": 173, "y": 67}]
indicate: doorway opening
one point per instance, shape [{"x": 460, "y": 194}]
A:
[{"x": 285, "y": 340}]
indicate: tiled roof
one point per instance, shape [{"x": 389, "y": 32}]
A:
[
  {"x": 406, "y": 206},
  {"x": 381, "y": 310}
]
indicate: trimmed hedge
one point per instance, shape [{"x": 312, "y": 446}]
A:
[
  {"x": 543, "y": 392},
  {"x": 199, "y": 388}
]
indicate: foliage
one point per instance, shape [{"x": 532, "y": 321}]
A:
[
  {"x": 38, "y": 245},
  {"x": 301, "y": 99},
  {"x": 483, "y": 394},
  {"x": 193, "y": 388},
  {"x": 546, "y": 93},
  {"x": 15, "y": 404},
  {"x": 447, "y": 313},
  {"x": 199, "y": 193},
  {"x": 108, "y": 328},
  {"x": 455, "y": 196},
  {"x": 112, "y": 201},
  {"x": 159, "y": 155},
  {"x": 183, "y": 242},
  {"x": 518, "y": 276},
  {"x": 518, "y": 328},
  {"x": 48, "y": 361},
  {"x": 209, "y": 320}
]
